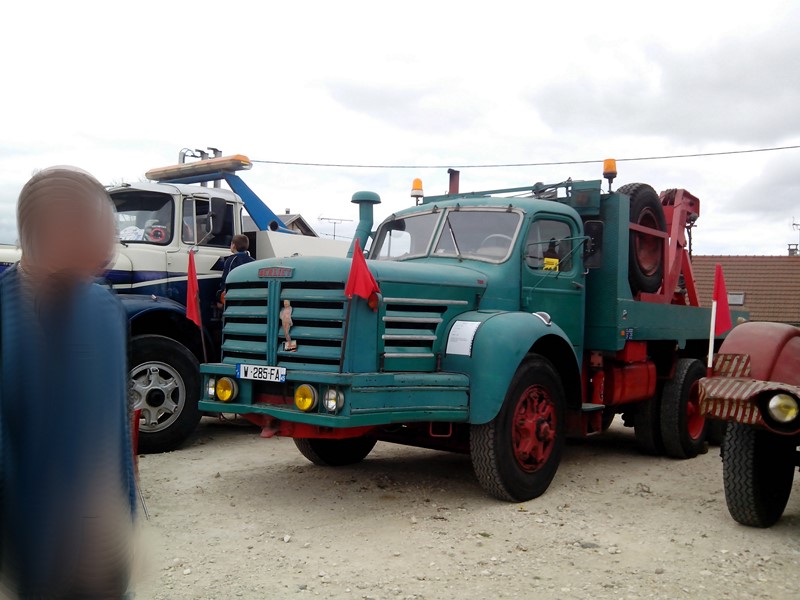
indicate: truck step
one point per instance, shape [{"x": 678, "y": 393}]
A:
[{"x": 588, "y": 407}]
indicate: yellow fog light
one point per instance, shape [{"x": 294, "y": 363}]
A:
[
  {"x": 305, "y": 397},
  {"x": 226, "y": 389},
  {"x": 212, "y": 387},
  {"x": 333, "y": 400},
  {"x": 783, "y": 408}
]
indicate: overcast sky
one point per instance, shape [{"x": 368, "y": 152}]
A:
[{"x": 118, "y": 88}]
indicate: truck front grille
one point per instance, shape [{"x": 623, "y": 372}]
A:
[
  {"x": 244, "y": 332},
  {"x": 318, "y": 314},
  {"x": 410, "y": 333}
]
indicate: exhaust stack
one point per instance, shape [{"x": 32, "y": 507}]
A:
[{"x": 365, "y": 201}]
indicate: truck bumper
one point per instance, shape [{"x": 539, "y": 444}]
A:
[
  {"x": 743, "y": 399},
  {"x": 370, "y": 399}
]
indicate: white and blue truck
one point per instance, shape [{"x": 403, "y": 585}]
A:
[{"x": 182, "y": 208}]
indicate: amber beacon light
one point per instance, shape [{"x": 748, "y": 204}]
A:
[{"x": 610, "y": 171}]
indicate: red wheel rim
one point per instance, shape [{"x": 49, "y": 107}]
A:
[
  {"x": 647, "y": 247},
  {"x": 534, "y": 428},
  {"x": 695, "y": 420}
]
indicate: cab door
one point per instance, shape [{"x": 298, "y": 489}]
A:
[
  {"x": 211, "y": 250},
  {"x": 553, "y": 278}
]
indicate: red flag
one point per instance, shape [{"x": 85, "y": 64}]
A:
[
  {"x": 193, "y": 294},
  {"x": 722, "y": 323},
  {"x": 360, "y": 282}
]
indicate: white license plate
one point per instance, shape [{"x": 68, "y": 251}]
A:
[{"x": 261, "y": 373}]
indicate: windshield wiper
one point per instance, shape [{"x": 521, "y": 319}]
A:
[{"x": 453, "y": 235}]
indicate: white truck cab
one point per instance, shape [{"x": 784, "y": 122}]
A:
[{"x": 160, "y": 221}]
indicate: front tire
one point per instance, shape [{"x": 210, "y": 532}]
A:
[
  {"x": 515, "y": 456},
  {"x": 683, "y": 426},
  {"x": 335, "y": 453},
  {"x": 165, "y": 385},
  {"x": 758, "y": 469}
]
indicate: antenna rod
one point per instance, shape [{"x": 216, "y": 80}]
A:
[{"x": 335, "y": 222}]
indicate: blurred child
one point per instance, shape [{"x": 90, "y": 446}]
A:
[{"x": 67, "y": 488}]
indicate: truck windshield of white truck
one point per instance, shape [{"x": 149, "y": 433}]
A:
[{"x": 144, "y": 217}]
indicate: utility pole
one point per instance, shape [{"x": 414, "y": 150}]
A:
[{"x": 335, "y": 222}]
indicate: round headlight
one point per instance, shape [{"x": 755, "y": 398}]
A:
[
  {"x": 783, "y": 408},
  {"x": 212, "y": 387},
  {"x": 333, "y": 400},
  {"x": 305, "y": 397},
  {"x": 226, "y": 389}
]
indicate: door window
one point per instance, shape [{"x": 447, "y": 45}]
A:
[
  {"x": 196, "y": 225},
  {"x": 549, "y": 246}
]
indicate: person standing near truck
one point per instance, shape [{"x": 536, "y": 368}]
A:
[
  {"x": 67, "y": 485},
  {"x": 240, "y": 245}
]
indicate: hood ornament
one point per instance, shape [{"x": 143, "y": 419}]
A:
[{"x": 286, "y": 320}]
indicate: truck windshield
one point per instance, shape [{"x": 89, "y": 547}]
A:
[
  {"x": 480, "y": 234},
  {"x": 144, "y": 216},
  {"x": 408, "y": 237}
]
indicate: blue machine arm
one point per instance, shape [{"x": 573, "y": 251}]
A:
[
  {"x": 261, "y": 214},
  {"x": 263, "y": 217}
]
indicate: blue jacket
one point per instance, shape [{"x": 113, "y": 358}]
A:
[
  {"x": 64, "y": 416},
  {"x": 233, "y": 261}
]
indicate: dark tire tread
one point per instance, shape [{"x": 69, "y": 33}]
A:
[
  {"x": 647, "y": 426},
  {"x": 481, "y": 449},
  {"x": 758, "y": 469},
  {"x": 335, "y": 453},
  {"x": 496, "y": 471},
  {"x": 674, "y": 429}
]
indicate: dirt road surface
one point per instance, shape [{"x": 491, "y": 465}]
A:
[{"x": 236, "y": 516}]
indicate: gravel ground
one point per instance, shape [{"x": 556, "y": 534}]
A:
[{"x": 233, "y": 515}]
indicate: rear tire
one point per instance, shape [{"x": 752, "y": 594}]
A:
[
  {"x": 608, "y": 419},
  {"x": 164, "y": 382},
  {"x": 335, "y": 453},
  {"x": 682, "y": 423},
  {"x": 645, "y": 256},
  {"x": 647, "y": 426},
  {"x": 715, "y": 432},
  {"x": 515, "y": 456},
  {"x": 758, "y": 469}
]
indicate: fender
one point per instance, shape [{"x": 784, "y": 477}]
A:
[
  {"x": 500, "y": 344},
  {"x": 162, "y": 316},
  {"x": 138, "y": 304},
  {"x": 774, "y": 350}
]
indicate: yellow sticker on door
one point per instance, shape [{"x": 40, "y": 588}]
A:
[{"x": 550, "y": 264}]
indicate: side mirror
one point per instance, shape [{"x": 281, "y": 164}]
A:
[
  {"x": 593, "y": 247},
  {"x": 398, "y": 225},
  {"x": 216, "y": 218}
]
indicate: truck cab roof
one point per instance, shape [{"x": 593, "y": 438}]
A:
[{"x": 176, "y": 188}]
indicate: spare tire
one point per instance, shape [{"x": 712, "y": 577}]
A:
[{"x": 646, "y": 252}]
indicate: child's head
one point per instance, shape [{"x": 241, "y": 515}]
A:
[
  {"x": 67, "y": 224},
  {"x": 240, "y": 243}
]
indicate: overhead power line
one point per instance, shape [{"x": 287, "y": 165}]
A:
[{"x": 530, "y": 164}]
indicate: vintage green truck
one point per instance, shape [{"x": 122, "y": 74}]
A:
[{"x": 505, "y": 321}]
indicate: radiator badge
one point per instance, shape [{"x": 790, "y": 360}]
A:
[
  {"x": 277, "y": 272},
  {"x": 286, "y": 319}
]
